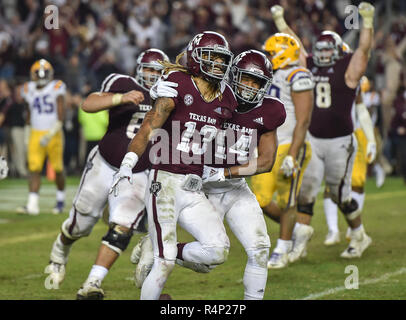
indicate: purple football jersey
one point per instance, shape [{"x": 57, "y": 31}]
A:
[
  {"x": 242, "y": 133},
  {"x": 333, "y": 100},
  {"x": 124, "y": 122},
  {"x": 191, "y": 128}
]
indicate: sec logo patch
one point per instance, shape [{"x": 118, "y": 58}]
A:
[{"x": 188, "y": 99}]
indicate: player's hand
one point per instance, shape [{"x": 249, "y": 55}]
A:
[
  {"x": 45, "y": 140},
  {"x": 366, "y": 10},
  {"x": 133, "y": 96},
  {"x": 125, "y": 173},
  {"x": 3, "y": 168},
  {"x": 163, "y": 89},
  {"x": 211, "y": 174},
  {"x": 289, "y": 166},
  {"x": 371, "y": 152},
  {"x": 276, "y": 11}
]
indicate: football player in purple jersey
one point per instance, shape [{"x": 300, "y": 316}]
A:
[
  {"x": 252, "y": 127},
  {"x": 183, "y": 128},
  {"x": 127, "y": 100},
  {"x": 333, "y": 143}
]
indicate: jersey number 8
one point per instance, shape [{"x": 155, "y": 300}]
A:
[{"x": 323, "y": 95}]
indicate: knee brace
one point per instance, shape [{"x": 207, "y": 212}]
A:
[
  {"x": 350, "y": 209},
  {"x": 117, "y": 239},
  {"x": 306, "y": 208}
]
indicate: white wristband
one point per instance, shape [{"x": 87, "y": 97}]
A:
[{"x": 130, "y": 159}]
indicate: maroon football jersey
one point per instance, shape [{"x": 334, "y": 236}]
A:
[
  {"x": 124, "y": 122},
  {"x": 331, "y": 116},
  {"x": 235, "y": 145},
  {"x": 191, "y": 128}
]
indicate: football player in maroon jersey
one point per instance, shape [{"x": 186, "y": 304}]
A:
[
  {"x": 204, "y": 101},
  {"x": 331, "y": 129},
  {"x": 127, "y": 100},
  {"x": 252, "y": 126}
]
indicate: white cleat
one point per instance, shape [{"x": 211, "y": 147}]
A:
[
  {"x": 332, "y": 238},
  {"x": 278, "y": 260},
  {"x": 90, "y": 290},
  {"x": 301, "y": 237},
  {"x": 196, "y": 267},
  {"x": 30, "y": 210},
  {"x": 143, "y": 256},
  {"x": 380, "y": 176},
  {"x": 360, "y": 241},
  {"x": 56, "y": 272}
]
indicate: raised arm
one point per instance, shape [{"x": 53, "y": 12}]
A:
[
  {"x": 282, "y": 26},
  {"x": 359, "y": 60},
  {"x": 97, "y": 101}
]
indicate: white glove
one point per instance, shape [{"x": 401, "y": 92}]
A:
[
  {"x": 366, "y": 11},
  {"x": 288, "y": 166},
  {"x": 125, "y": 172},
  {"x": 211, "y": 174},
  {"x": 3, "y": 168},
  {"x": 371, "y": 152},
  {"x": 163, "y": 89},
  {"x": 45, "y": 140},
  {"x": 277, "y": 16}
]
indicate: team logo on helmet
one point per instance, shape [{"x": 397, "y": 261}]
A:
[{"x": 208, "y": 54}]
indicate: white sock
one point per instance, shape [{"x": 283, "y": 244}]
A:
[
  {"x": 60, "y": 195},
  {"x": 60, "y": 251},
  {"x": 283, "y": 246},
  {"x": 331, "y": 212},
  {"x": 361, "y": 227},
  {"x": 33, "y": 198},
  {"x": 360, "y": 198},
  {"x": 98, "y": 272}
]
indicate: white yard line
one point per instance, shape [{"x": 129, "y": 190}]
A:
[{"x": 328, "y": 292}]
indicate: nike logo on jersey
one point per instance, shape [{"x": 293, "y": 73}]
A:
[{"x": 259, "y": 120}]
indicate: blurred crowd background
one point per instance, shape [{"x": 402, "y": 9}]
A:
[{"x": 98, "y": 37}]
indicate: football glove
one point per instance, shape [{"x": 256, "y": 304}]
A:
[
  {"x": 289, "y": 166},
  {"x": 211, "y": 174},
  {"x": 3, "y": 168},
  {"x": 277, "y": 16},
  {"x": 45, "y": 140},
  {"x": 371, "y": 152},
  {"x": 163, "y": 89},
  {"x": 125, "y": 172},
  {"x": 366, "y": 11}
]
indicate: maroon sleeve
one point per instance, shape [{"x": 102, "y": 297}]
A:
[
  {"x": 118, "y": 83},
  {"x": 276, "y": 114}
]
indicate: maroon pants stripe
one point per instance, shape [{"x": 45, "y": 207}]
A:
[
  {"x": 139, "y": 215},
  {"x": 156, "y": 222}
]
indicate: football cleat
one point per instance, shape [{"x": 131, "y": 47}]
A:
[
  {"x": 196, "y": 267},
  {"x": 300, "y": 237},
  {"x": 360, "y": 241},
  {"x": 278, "y": 260},
  {"x": 332, "y": 238},
  {"x": 143, "y": 256},
  {"x": 58, "y": 209},
  {"x": 56, "y": 272},
  {"x": 32, "y": 210},
  {"x": 90, "y": 290}
]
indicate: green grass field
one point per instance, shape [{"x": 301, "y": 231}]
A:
[{"x": 25, "y": 243}]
